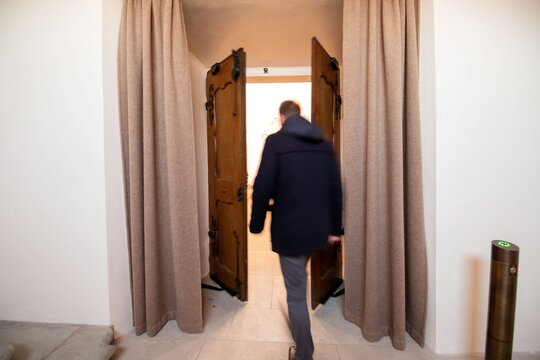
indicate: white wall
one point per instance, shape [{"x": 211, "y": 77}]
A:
[
  {"x": 198, "y": 86},
  {"x": 117, "y": 241},
  {"x": 428, "y": 129},
  {"x": 53, "y": 244},
  {"x": 487, "y": 64}
]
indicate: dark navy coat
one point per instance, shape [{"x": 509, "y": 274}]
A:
[{"x": 298, "y": 171}]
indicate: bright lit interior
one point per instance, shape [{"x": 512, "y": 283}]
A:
[{"x": 262, "y": 107}]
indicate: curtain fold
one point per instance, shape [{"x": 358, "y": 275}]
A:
[
  {"x": 385, "y": 255},
  {"x": 156, "y": 119}
]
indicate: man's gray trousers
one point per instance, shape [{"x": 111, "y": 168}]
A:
[{"x": 295, "y": 276}]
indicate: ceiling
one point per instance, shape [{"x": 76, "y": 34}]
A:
[{"x": 274, "y": 33}]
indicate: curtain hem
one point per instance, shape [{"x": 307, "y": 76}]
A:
[
  {"x": 378, "y": 335},
  {"x": 154, "y": 329}
]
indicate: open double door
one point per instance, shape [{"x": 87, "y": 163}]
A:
[{"x": 227, "y": 173}]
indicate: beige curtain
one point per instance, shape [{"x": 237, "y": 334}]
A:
[
  {"x": 385, "y": 256},
  {"x": 156, "y": 118}
]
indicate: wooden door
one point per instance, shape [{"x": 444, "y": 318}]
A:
[
  {"x": 326, "y": 113},
  {"x": 227, "y": 173}
]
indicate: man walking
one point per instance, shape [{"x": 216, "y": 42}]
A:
[{"x": 298, "y": 172}]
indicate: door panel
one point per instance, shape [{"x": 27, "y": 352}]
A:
[
  {"x": 227, "y": 173},
  {"x": 326, "y": 113}
]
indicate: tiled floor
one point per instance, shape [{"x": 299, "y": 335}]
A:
[
  {"x": 258, "y": 328},
  {"x": 32, "y": 341}
]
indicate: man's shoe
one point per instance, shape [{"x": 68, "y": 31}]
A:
[{"x": 292, "y": 352}]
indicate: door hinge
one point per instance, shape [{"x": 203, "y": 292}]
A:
[
  {"x": 209, "y": 104},
  {"x": 334, "y": 63},
  {"x": 213, "y": 235},
  {"x": 215, "y": 69},
  {"x": 236, "y": 71},
  {"x": 238, "y": 287},
  {"x": 240, "y": 194}
]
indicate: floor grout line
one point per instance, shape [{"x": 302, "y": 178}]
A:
[
  {"x": 62, "y": 342},
  {"x": 228, "y": 332},
  {"x": 200, "y": 350}
]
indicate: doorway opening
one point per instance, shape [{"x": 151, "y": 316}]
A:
[
  {"x": 263, "y": 97},
  {"x": 228, "y": 175},
  {"x": 258, "y": 279}
]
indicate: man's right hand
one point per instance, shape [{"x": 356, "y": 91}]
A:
[{"x": 333, "y": 239}]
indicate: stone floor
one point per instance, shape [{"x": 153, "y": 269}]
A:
[
  {"x": 35, "y": 341},
  {"x": 258, "y": 329},
  {"x": 254, "y": 330}
]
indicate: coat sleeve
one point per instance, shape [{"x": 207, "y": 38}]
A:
[
  {"x": 335, "y": 199},
  {"x": 263, "y": 188}
]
